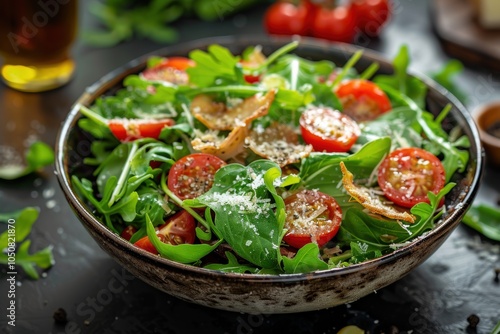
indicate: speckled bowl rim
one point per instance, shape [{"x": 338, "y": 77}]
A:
[{"x": 133, "y": 66}]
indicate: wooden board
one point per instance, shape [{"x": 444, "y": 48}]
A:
[{"x": 462, "y": 36}]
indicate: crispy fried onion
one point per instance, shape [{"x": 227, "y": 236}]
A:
[
  {"x": 218, "y": 116},
  {"x": 223, "y": 147},
  {"x": 278, "y": 143},
  {"x": 369, "y": 201}
]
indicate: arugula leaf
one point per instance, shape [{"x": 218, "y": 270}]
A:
[
  {"x": 24, "y": 220},
  {"x": 300, "y": 89},
  {"x": 306, "y": 260},
  {"x": 371, "y": 236},
  {"x": 216, "y": 63},
  {"x": 244, "y": 210},
  {"x": 362, "y": 252},
  {"x": 455, "y": 157},
  {"x": 446, "y": 75},
  {"x": 183, "y": 253},
  {"x": 37, "y": 156},
  {"x": 400, "y": 81},
  {"x": 232, "y": 266},
  {"x": 496, "y": 329},
  {"x": 426, "y": 212},
  {"x": 485, "y": 219},
  {"x": 298, "y": 71},
  {"x": 42, "y": 259}
]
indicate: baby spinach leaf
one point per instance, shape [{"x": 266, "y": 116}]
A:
[
  {"x": 306, "y": 260},
  {"x": 485, "y": 219},
  {"x": 400, "y": 125},
  {"x": 244, "y": 211},
  {"x": 322, "y": 170},
  {"x": 358, "y": 226}
]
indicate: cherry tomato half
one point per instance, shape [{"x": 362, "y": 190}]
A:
[
  {"x": 128, "y": 232},
  {"x": 126, "y": 130},
  {"x": 193, "y": 175},
  {"x": 371, "y": 15},
  {"x": 335, "y": 24},
  {"x": 172, "y": 69},
  {"x": 178, "y": 229},
  {"x": 362, "y": 100},
  {"x": 311, "y": 216},
  {"x": 406, "y": 175},
  {"x": 328, "y": 130},
  {"x": 286, "y": 18}
]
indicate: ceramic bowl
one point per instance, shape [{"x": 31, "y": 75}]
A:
[
  {"x": 487, "y": 117},
  {"x": 267, "y": 293}
]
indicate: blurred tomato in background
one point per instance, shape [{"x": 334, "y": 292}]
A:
[{"x": 340, "y": 21}]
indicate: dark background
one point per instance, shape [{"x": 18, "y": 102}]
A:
[{"x": 437, "y": 297}]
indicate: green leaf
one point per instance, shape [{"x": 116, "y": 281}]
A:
[
  {"x": 19, "y": 222},
  {"x": 496, "y": 330},
  {"x": 363, "y": 252},
  {"x": 401, "y": 81},
  {"x": 42, "y": 259},
  {"x": 359, "y": 226},
  {"x": 216, "y": 63},
  {"x": 400, "y": 124},
  {"x": 184, "y": 253},
  {"x": 232, "y": 266},
  {"x": 306, "y": 260},
  {"x": 321, "y": 171},
  {"x": 446, "y": 75},
  {"x": 426, "y": 212},
  {"x": 14, "y": 241},
  {"x": 455, "y": 157},
  {"x": 485, "y": 219},
  {"x": 244, "y": 210},
  {"x": 39, "y": 155}
]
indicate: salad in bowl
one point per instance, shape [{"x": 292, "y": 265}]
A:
[{"x": 270, "y": 162}]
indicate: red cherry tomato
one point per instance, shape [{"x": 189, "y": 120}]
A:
[
  {"x": 178, "y": 229},
  {"x": 286, "y": 18},
  {"x": 371, "y": 15},
  {"x": 193, "y": 175},
  {"x": 406, "y": 175},
  {"x": 128, "y": 232},
  {"x": 311, "y": 216},
  {"x": 335, "y": 24},
  {"x": 147, "y": 245},
  {"x": 172, "y": 69},
  {"x": 328, "y": 130},
  {"x": 362, "y": 99},
  {"x": 126, "y": 130}
]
